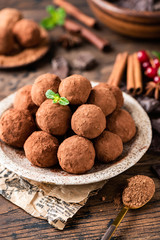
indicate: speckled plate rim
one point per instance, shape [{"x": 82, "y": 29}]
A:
[{"x": 136, "y": 149}]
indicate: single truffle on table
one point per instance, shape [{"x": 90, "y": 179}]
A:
[
  {"x": 9, "y": 16},
  {"x": 41, "y": 149},
  {"x": 76, "y": 89},
  {"x": 27, "y": 33},
  {"x": 53, "y": 117},
  {"x": 41, "y": 85},
  {"x": 108, "y": 147},
  {"x": 121, "y": 123},
  {"x": 6, "y": 40},
  {"x": 76, "y": 155},
  {"x": 116, "y": 92},
  {"x": 88, "y": 121},
  {"x": 16, "y": 126},
  {"x": 23, "y": 100},
  {"x": 103, "y": 98}
]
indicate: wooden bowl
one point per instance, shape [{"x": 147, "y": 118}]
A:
[{"x": 142, "y": 24}]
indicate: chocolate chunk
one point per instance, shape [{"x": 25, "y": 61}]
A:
[
  {"x": 156, "y": 124},
  {"x": 149, "y": 104},
  {"x": 138, "y": 5},
  {"x": 60, "y": 67},
  {"x": 84, "y": 61},
  {"x": 156, "y": 169}
]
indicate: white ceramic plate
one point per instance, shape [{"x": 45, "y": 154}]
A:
[{"x": 15, "y": 160}]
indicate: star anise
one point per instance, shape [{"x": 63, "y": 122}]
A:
[
  {"x": 69, "y": 40},
  {"x": 153, "y": 88}
]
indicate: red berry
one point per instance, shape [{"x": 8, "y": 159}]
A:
[
  {"x": 142, "y": 56},
  {"x": 145, "y": 65},
  {"x": 157, "y": 79},
  {"x": 156, "y": 62},
  {"x": 151, "y": 72}
]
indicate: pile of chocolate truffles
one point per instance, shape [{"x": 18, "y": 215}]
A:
[
  {"x": 17, "y": 33},
  {"x": 93, "y": 125}
]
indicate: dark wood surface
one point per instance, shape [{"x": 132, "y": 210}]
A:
[{"x": 91, "y": 221}]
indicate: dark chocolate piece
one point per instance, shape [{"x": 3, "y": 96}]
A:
[
  {"x": 60, "y": 67},
  {"x": 149, "y": 104},
  {"x": 84, "y": 61},
  {"x": 156, "y": 124},
  {"x": 156, "y": 169},
  {"x": 138, "y": 5}
]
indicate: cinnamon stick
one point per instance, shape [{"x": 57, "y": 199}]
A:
[
  {"x": 76, "y": 13},
  {"x": 137, "y": 75},
  {"x": 118, "y": 69},
  {"x": 130, "y": 75},
  {"x": 99, "y": 42}
]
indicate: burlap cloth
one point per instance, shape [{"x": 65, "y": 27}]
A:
[{"x": 54, "y": 203}]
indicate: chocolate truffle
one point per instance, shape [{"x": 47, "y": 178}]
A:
[
  {"x": 121, "y": 123},
  {"x": 9, "y": 16},
  {"x": 53, "y": 117},
  {"x": 116, "y": 92},
  {"x": 16, "y": 126},
  {"x": 6, "y": 40},
  {"x": 41, "y": 85},
  {"x": 27, "y": 33},
  {"x": 41, "y": 149},
  {"x": 23, "y": 100},
  {"x": 108, "y": 146},
  {"x": 103, "y": 98},
  {"x": 76, "y": 89},
  {"x": 88, "y": 121},
  {"x": 76, "y": 155}
]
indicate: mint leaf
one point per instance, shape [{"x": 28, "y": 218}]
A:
[
  {"x": 158, "y": 71},
  {"x": 50, "y": 94},
  {"x": 48, "y": 23},
  {"x": 55, "y": 100},
  {"x": 56, "y": 17},
  {"x": 63, "y": 101},
  {"x": 50, "y": 9},
  {"x": 156, "y": 54}
]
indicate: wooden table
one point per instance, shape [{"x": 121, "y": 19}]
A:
[{"x": 91, "y": 221}]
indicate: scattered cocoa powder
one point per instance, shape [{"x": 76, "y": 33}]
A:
[{"x": 139, "y": 191}]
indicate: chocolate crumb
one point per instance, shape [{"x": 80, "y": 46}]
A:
[
  {"x": 139, "y": 191},
  {"x": 103, "y": 198}
]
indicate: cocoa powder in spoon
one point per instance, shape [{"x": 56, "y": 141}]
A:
[{"x": 139, "y": 191}]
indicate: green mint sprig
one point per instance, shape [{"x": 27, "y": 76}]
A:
[
  {"x": 56, "y": 98},
  {"x": 56, "y": 17}
]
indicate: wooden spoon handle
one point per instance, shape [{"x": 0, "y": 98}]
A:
[{"x": 108, "y": 234}]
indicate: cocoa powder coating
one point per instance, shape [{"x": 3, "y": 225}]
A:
[
  {"x": 108, "y": 146},
  {"x": 116, "y": 92},
  {"x": 76, "y": 155},
  {"x": 6, "y": 40},
  {"x": 41, "y": 85},
  {"x": 103, "y": 98},
  {"x": 76, "y": 89},
  {"x": 53, "y": 118},
  {"x": 41, "y": 149},
  {"x": 139, "y": 191},
  {"x": 9, "y": 16},
  {"x": 121, "y": 123},
  {"x": 27, "y": 33},
  {"x": 23, "y": 100},
  {"x": 88, "y": 121},
  {"x": 16, "y": 126}
]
